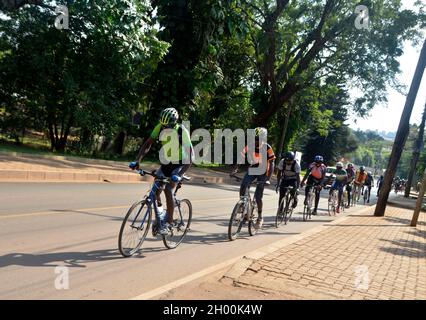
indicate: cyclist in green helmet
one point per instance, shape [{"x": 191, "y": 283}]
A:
[{"x": 177, "y": 163}]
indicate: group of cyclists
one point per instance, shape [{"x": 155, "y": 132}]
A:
[
  {"x": 289, "y": 180},
  {"x": 288, "y": 171},
  {"x": 398, "y": 184}
]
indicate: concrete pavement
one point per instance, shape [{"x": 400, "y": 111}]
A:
[{"x": 48, "y": 225}]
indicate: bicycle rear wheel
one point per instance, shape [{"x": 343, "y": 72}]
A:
[
  {"x": 236, "y": 221},
  {"x": 280, "y": 213},
  {"x": 181, "y": 224},
  {"x": 134, "y": 228}
]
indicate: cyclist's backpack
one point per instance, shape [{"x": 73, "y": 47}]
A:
[{"x": 292, "y": 169}]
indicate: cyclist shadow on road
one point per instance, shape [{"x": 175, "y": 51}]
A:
[{"x": 66, "y": 259}]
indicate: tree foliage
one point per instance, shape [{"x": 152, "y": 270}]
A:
[{"x": 88, "y": 77}]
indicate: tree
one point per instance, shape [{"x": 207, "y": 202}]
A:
[
  {"x": 295, "y": 43},
  {"x": 11, "y": 5},
  {"x": 402, "y": 133},
  {"x": 89, "y": 77}
]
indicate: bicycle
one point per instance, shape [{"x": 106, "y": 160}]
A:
[
  {"x": 344, "y": 203},
  {"x": 346, "y": 198},
  {"x": 137, "y": 222},
  {"x": 366, "y": 194},
  {"x": 285, "y": 209},
  {"x": 356, "y": 193},
  {"x": 244, "y": 212},
  {"x": 307, "y": 209},
  {"x": 332, "y": 202}
]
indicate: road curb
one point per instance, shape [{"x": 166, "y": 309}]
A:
[
  {"x": 11, "y": 175},
  {"x": 68, "y": 158},
  {"x": 16, "y": 175},
  {"x": 241, "y": 263}
]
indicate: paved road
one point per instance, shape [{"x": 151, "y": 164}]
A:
[{"x": 45, "y": 225}]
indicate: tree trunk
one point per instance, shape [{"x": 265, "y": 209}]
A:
[
  {"x": 274, "y": 105},
  {"x": 401, "y": 135},
  {"x": 60, "y": 144},
  {"x": 284, "y": 132},
  {"x": 51, "y": 136},
  {"x": 120, "y": 140},
  {"x": 418, "y": 146}
]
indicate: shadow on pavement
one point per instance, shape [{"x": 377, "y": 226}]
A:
[
  {"x": 406, "y": 248},
  {"x": 67, "y": 259},
  {"x": 90, "y": 214},
  {"x": 403, "y": 221}
]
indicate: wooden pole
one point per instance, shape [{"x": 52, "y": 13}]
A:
[
  {"x": 401, "y": 135},
  {"x": 418, "y": 146},
  {"x": 419, "y": 202}
]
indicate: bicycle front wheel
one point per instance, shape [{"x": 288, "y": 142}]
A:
[
  {"x": 307, "y": 208},
  {"x": 280, "y": 213},
  {"x": 236, "y": 221},
  {"x": 288, "y": 208},
  {"x": 134, "y": 228},
  {"x": 332, "y": 205},
  {"x": 181, "y": 224},
  {"x": 253, "y": 219}
]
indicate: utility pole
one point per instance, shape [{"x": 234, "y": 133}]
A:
[
  {"x": 401, "y": 135},
  {"x": 419, "y": 202},
  {"x": 418, "y": 147}
]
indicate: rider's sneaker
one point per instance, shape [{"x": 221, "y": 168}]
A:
[
  {"x": 164, "y": 231},
  {"x": 259, "y": 223},
  {"x": 314, "y": 213}
]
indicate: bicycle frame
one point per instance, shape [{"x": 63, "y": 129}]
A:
[
  {"x": 289, "y": 195},
  {"x": 312, "y": 192},
  {"x": 151, "y": 199}
]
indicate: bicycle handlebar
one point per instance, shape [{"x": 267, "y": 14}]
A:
[
  {"x": 239, "y": 179},
  {"x": 143, "y": 172}
]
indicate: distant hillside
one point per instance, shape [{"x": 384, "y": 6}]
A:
[{"x": 387, "y": 135}]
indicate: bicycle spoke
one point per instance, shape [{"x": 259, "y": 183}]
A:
[
  {"x": 134, "y": 228},
  {"x": 181, "y": 224}
]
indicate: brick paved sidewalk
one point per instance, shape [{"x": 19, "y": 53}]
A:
[
  {"x": 358, "y": 257},
  {"x": 362, "y": 257}
]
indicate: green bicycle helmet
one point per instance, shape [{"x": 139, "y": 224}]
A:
[
  {"x": 260, "y": 131},
  {"x": 169, "y": 116}
]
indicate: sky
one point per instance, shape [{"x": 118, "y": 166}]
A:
[{"x": 386, "y": 118}]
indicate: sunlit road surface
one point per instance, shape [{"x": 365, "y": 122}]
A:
[{"x": 48, "y": 225}]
